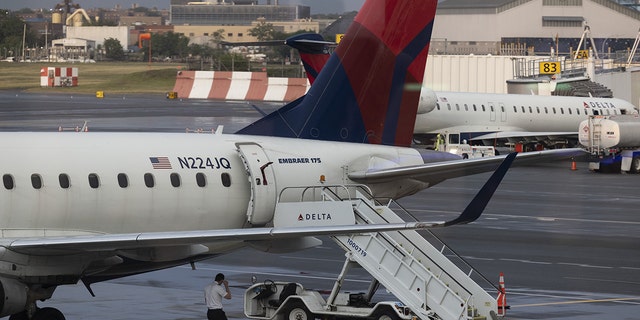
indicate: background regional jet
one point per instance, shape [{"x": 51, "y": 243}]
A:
[
  {"x": 493, "y": 119},
  {"x": 97, "y": 206}
]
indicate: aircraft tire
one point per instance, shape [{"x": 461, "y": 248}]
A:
[
  {"x": 48, "y": 314},
  {"x": 296, "y": 310}
]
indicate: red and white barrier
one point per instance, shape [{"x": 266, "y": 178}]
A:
[
  {"x": 225, "y": 85},
  {"x": 59, "y": 77}
]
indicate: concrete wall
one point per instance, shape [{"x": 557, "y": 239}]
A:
[
  {"x": 99, "y": 34},
  {"x": 470, "y": 73}
]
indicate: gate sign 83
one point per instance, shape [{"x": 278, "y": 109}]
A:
[{"x": 548, "y": 67}]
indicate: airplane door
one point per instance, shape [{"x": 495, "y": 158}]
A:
[
  {"x": 503, "y": 113},
  {"x": 262, "y": 180},
  {"x": 492, "y": 112}
]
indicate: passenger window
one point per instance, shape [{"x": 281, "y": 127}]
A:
[
  {"x": 7, "y": 179},
  {"x": 148, "y": 180},
  {"x": 569, "y": 109},
  {"x": 474, "y": 108},
  {"x": 561, "y": 110},
  {"x": 201, "y": 180},
  {"x": 457, "y": 107},
  {"x": 483, "y": 109},
  {"x": 448, "y": 106},
  {"x": 175, "y": 179},
  {"x": 546, "y": 110},
  {"x": 438, "y": 106},
  {"x": 36, "y": 181},
  {"x": 94, "y": 182},
  {"x": 466, "y": 107},
  {"x": 523, "y": 110},
  {"x": 123, "y": 180},
  {"x": 226, "y": 179},
  {"x": 538, "y": 109},
  {"x": 63, "y": 178},
  {"x": 492, "y": 109},
  {"x": 530, "y": 109},
  {"x": 554, "y": 110}
]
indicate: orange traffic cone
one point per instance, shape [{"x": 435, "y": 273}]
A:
[
  {"x": 502, "y": 297},
  {"x": 573, "y": 166}
]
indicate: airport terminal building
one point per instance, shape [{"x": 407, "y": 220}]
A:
[
  {"x": 531, "y": 26},
  {"x": 239, "y": 13}
]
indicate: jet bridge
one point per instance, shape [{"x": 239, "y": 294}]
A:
[{"x": 404, "y": 262}]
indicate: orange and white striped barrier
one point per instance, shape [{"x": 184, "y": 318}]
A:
[
  {"x": 58, "y": 77},
  {"x": 226, "y": 85}
]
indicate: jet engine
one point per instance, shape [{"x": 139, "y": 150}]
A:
[
  {"x": 13, "y": 296},
  {"x": 428, "y": 101}
]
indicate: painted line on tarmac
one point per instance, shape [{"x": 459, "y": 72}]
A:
[{"x": 576, "y": 302}]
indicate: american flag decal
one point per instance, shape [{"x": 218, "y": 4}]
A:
[{"x": 160, "y": 162}]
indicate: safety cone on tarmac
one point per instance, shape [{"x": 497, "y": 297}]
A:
[
  {"x": 573, "y": 165},
  {"x": 502, "y": 297}
]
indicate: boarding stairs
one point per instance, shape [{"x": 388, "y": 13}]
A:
[{"x": 405, "y": 263}]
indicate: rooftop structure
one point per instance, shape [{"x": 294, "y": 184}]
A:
[{"x": 208, "y": 13}]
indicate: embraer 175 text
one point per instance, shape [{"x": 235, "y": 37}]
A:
[{"x": 92, "y": 206}]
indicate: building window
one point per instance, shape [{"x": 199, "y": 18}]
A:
[
  {"x": 175, "y": 179},
  {"x": 36, "y": 181},
  {"x": 148, "y": 180},
  {"x": 226, "y": 179},
  {"x": 7, "y": 180},
  {"x": 201, "y": 180},
  {"x": 94, "y": 182},
  {"x": 63, "y": 178},
  {"x": 229, "y": 34},
  {"x": 123, "y": 180},
  {"x": 240, "y": 34}
]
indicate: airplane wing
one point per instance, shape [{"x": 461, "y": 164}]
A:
[
  {"x": 433, "y": 173},
  {"x": 526, "y": 136},
  {"x": 115, "y": 242}
]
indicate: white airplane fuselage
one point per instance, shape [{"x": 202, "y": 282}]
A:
[
  {"x": 73, "y": 183},
  {"x": 463, "y": 112}
]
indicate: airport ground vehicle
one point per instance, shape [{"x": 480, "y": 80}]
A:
[
  {"x": 450, "y": 142},
  {"x": 613, "y": 142},
  {"x": 292, "y": 301}
]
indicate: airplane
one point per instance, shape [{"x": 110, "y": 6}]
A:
[
  {"x": 95, "y": 206},
  {"x": 489, "y": 119}
]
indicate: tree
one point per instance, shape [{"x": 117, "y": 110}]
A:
[
  {"x": 11, "y": 29},
  {"x": 113, "y": 49},
  {"x": 262, "y": 31}
]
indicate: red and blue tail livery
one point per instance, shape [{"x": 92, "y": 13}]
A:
[{"x": 368, "y": 92}]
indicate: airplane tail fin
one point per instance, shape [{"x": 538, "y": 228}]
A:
[
  {"x": 313, "y": 52},
  {"x": 370, "y": 87}
]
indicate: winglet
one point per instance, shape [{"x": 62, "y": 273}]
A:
[{"x": 475, "y": 208}]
